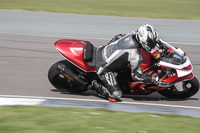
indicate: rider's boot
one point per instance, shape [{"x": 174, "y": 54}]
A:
[
  {"x": 100, "y": 89},
  {"x": 109, "y": 92},
  {"x": 110, "y": 81}
]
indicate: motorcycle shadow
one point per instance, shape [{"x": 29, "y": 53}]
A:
[
  {"x": 154, "y": 97},
  {"x": 87, "y": 93}
]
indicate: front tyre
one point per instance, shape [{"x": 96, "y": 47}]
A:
[
  {"x": 63, "y": 82},
  {"x": 191, "y": 87}
]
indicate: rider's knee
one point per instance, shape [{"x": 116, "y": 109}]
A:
[{"x": 117, "y": 94}]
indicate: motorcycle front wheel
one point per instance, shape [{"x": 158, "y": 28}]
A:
[
  {"x": 190, "y": 88},
  {"x": 63, "y": 82}
]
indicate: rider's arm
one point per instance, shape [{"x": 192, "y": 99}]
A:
[
  {"x": 135, "y": 62},
  {"x": 136, "y": 70}
]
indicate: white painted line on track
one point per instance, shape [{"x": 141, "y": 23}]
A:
[
  {"x": 20, "y": 101},
  {"x": 163, "y": 105},
  {"x": 52, "y": 98},
  {"x": 102, "y": 101},
  {"x": 74, "y": 37}
]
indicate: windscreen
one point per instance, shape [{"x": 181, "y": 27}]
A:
[{"x": 174, "y": 56}]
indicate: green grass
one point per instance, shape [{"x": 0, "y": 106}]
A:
[
  {"x": 34, "y": 119},
  {"x": 178, "y": 9}
]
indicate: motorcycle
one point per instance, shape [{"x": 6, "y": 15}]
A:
[{"x": 76, "y": 73}]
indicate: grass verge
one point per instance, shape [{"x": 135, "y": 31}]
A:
[
  {"x": 178, "y": 9},
  {"x": 34, "y": 119}
]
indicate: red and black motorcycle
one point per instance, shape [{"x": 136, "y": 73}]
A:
[{"x": 77, "y": 71}]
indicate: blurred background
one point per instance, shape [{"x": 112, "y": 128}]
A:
[
  {"x": 29, "y": 28},
  {"x": 177, "y": 9}
]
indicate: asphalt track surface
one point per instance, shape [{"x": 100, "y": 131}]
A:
[{"x": 27, "y": 50}]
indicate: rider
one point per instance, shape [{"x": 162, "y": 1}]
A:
[{"x": 121, "y": 51}]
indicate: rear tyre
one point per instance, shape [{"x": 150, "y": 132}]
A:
[
  {"x": 191, "y": 87},
  {"x": 63, "y": 82}
]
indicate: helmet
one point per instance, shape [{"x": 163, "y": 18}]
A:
[{"x": 147, "y": 36}]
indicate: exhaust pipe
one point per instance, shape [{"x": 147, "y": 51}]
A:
[{"x": 62, "y": 68}]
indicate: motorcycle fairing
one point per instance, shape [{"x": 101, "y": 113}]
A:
[
  {"x": 147, "y": 59},
  {"x": 183, "y": 71},
  {"x": 72, "y": 50}
]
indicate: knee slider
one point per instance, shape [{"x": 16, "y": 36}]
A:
[{"x": 117, "y": 94}]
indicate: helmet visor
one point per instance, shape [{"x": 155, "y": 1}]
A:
[{"x": 151, "y": 44}]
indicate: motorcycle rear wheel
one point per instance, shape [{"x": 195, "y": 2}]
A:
[
  {"x": 191, "y": 87},
  {"x": 61, "y": 82}
]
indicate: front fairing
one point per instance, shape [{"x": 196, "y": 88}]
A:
[{"x": 175, "y": 59}]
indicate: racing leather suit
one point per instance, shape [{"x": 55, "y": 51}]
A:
[{"x": 121, "y": 51}]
